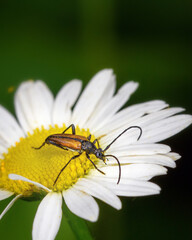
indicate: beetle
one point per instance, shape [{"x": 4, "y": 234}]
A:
[{"x": 83, "y": 144}]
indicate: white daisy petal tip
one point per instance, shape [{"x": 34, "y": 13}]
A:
[
  {"x": 105, "y": 71},
  {"x": 94, "y": 91},
  {"x": 33, "y": 105},
  {"x": 81, "y": 204},
  {"x": 65, "y": 99},
  {"x": 106, "y": 74},
  {"x": 174, "y": 156},
  {"x": 23, "y": 85},
  {"x": 128, "y": 88},
  {"x": 133, "y": 85}
]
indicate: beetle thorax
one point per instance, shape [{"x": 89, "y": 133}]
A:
[{"x": 88, "y": 147}]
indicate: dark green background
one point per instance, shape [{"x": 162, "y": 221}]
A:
[{"x": 145, "y": 41}]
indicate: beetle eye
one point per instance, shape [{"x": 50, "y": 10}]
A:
[{"x": 99, "y": 154}]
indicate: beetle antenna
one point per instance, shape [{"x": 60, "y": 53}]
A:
[
  {"x": 122, "y": 134},
  {"x": 118, "y": 165}
]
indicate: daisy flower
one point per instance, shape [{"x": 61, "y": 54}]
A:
[{"x": 29, "y": 173}]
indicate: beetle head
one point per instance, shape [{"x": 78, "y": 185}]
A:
[{"x": 99, "y": 153}]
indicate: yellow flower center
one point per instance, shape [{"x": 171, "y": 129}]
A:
[{"x": 42, "y": 165}]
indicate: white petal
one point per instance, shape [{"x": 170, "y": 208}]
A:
[
  {"x": 162, "y": 160},
  {"x": 48, "y": 217},
  {"x": 5, "y": 194},
  {"x": 139, "y": 149},
  {"x": 174, "y": 156},
  {"x": 64, "y": 101},
  {"x": 81, "y": 204},
  {"x": 98, "y": 191},
  {"x": 147, "y": 123},
  {"x": 33, "y": 105},
  {"x": 9, "y": 205},
  {"x": 131, "y": 171},
  {"x": 106, "y": 98},
  {"x": 129, "y": 187},
  {"x": 128, "y": 115},
  {"x": 19, "y": 177},
  {"x": 157, "y": 116},
  {"x": 10, "y": 132},
  {"x": 111, "y": 107},
  {"x": 165, "y": 128},
  {"x": 91, "y": 96}
]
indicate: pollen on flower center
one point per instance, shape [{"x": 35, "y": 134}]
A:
[{"x": 42, "y": 165}]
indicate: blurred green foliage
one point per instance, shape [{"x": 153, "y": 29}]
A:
[{"x": 146, "y": 41}]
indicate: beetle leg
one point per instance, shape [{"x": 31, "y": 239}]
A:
[
  {"x": 73, "y": 129},
  {"x": 87, "y": 155},
  {"x": 40, "y": 146},
  {"x": 65, "y": 167},
  {"x": 58, "y": 145},
  {"x": 53, "y": 143},
  {"x": 96, "y": 141},
  {"x": 89, "y": 137}
]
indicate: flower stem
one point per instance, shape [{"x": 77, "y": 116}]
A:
[{"x": 78, "y": 225}]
